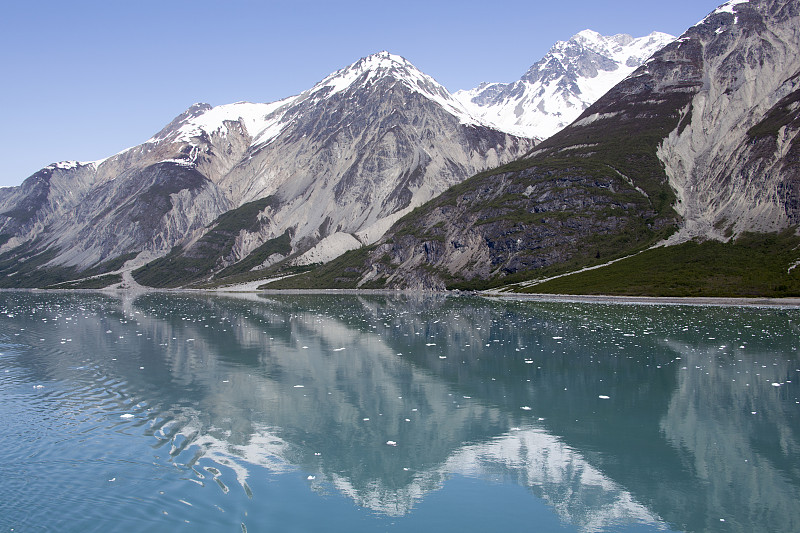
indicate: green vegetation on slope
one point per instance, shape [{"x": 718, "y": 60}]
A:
[
  {"x": 181, "y": 267},
  {"x": 24, "y": 267},
  {"x": 281, "y": 245},
  {"x": 100, "y": 282},
  {"x": 341, "y": 273},
  {"x": 785, "y": 112},
  {"x": 755, "y": 265}
]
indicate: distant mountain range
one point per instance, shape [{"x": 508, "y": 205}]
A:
[
  {"x": 695, "y": 138},
  {"x": 561, "y": 85}
]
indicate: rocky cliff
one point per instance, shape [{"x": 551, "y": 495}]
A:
[
  {"x": 701, "y": 140},
  {"x": 308, "y": 177}
]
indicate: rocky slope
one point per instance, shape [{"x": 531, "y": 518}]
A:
[
  {"x": 700, "y": 140},
  {"x": 310, "y": 177},
  {"x": 733, "y": 163},
  {"x": 560, "y": 86}
]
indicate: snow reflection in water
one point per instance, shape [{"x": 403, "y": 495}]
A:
[{"x": 208, "y": 410}]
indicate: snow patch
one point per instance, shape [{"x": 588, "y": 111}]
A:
[
  {"x": 261, "y": 121},
  {"x": 727, "y": 7},
  {"x": 564, "y": 83}
]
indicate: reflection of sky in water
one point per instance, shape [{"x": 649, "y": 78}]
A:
[{"x": 612, "y": 415}]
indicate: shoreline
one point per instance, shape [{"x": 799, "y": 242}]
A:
[{"x": 720, "y": 301}]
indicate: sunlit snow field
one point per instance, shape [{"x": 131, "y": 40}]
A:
[{"x": 175, "y": 412}]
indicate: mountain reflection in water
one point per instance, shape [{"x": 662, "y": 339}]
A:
[{"x": 678, "y": 417}]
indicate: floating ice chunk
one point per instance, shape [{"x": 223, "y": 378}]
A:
[{"x": 311, "y": 478}]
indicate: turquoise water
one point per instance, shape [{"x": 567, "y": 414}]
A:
[{"x": 375, "y": 413}]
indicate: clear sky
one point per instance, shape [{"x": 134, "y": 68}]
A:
[{"x": 86, "y": 79}]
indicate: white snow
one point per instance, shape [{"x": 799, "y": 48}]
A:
[
  {"x": 260, "y": 121},
  {"x": 543, "y": 107},
  {"x": 71, "y": 165},
  {"x": 374, "y": 67},
  {"x": 727, "y": 7},
  {"x": 264, "y": 122}
]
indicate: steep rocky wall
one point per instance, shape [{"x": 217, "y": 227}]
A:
[{"x": 731, "y": 170}]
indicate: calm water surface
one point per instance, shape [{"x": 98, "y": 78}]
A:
[{"x": 374, "y": 413}]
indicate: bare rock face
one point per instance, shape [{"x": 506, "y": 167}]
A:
[
  {"x": 360, "y": 155},
  {"x": 701, "y": 140},
  {"x": 316, "y": 174},
  {"x": 733, "y": 161}
]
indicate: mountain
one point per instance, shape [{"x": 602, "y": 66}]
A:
[
  {"x": 700, "y": 142},
  {"x": 560, "y": 86},
  {"x": 242, "y": 186}
]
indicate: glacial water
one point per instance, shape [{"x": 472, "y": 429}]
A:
[{"x": 176, "y": 412}]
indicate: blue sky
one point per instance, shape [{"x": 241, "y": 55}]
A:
[{"x": 84, "y": 80}]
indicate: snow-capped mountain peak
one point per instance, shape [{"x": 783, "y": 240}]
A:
[
  {"x": 368, "y": 70},
  {"x": 567, "y": 80},
  {"x": 264, "y": 122}
]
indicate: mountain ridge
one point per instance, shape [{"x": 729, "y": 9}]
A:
[
  {"x": 339, "y": 162},
  {"x": 701, "y": 141},
  {"x": 557, "y": 88}
]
